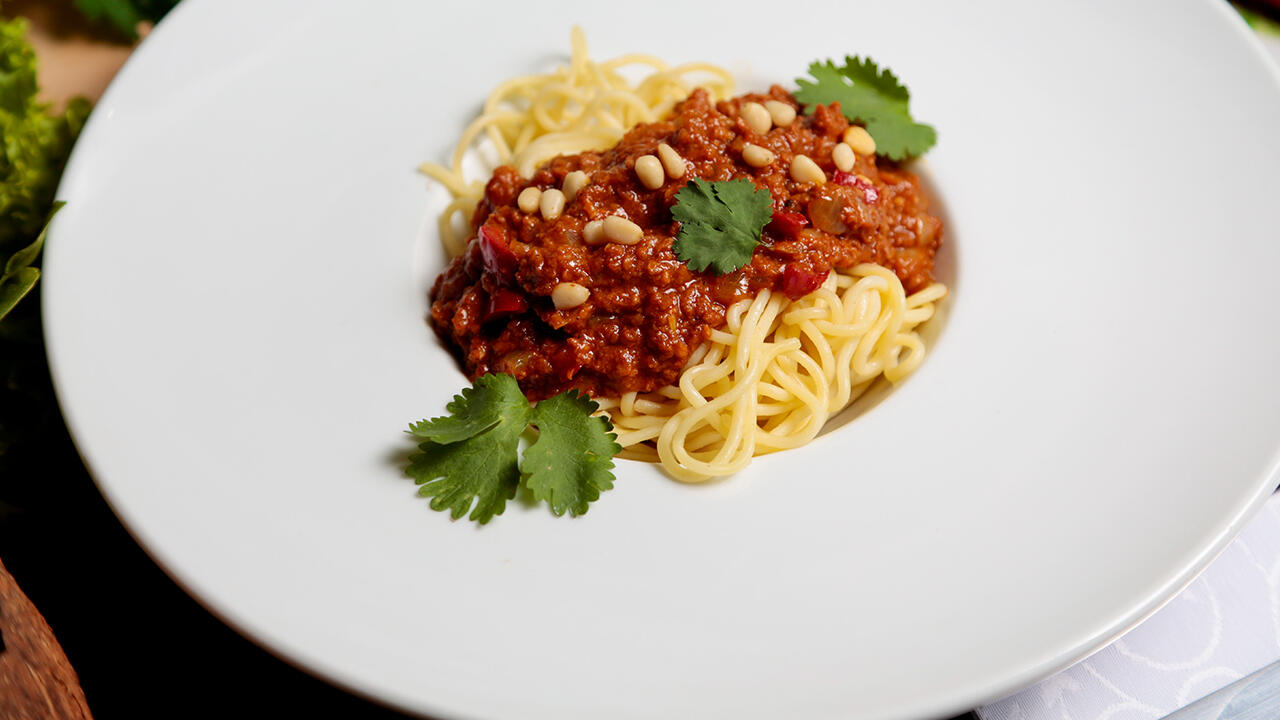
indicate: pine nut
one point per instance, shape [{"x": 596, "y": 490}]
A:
[
  {"x": 649, "y": 170},
  {"x": 843, "y": 157},
  {"x": 573, "y": 182},
  {"x": 569, "y": 295},
  {"x": 593, "y": 232},
  {"x": 782, "y": 113},
  {"x": 551, "y": 203},
  {"x": 621, "y": 230},
  {"x": 757, "y": 156},
  {"x": 756, "y": 117},
  {"x": 804, "y": 169},
  {"x": 860, "y": 140},
  {"x": 528, "y": 199},
  {"x": 671, "y": 161}
]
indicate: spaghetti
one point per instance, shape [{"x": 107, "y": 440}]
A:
[
  {"x": 779, "y": 370},
  {"x": 762, "y": 373},
  {"x": 583, "y": 106}
]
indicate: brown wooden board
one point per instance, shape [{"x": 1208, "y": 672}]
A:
[{"x": 36, "y": 681}]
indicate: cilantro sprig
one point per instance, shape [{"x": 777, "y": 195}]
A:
[
  {"x": 720, "y": 223},
  {"x": 570, "y": 463},
  {"x": 471, "y": 459},
  {"x": 872, "y": 96}
]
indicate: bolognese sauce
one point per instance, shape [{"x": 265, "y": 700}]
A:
[{"x": 548, "y": 294}]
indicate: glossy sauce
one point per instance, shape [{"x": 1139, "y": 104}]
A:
[{"x": 647, "y": 311}]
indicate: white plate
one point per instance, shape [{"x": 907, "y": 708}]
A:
[{"x": 235, "y": 297}]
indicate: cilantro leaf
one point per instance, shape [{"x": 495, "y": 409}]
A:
[
  {"x": 570, "y": 463},
  {"x": 872, "y": 96},
  {"x": 720, "y": 223},
  {"x": 484, "y": 470},
  {"x": 471, "y": 458},
  {"x": 489, "y": 401}
]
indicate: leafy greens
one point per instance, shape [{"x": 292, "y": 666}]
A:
[
  {"x": 34, "y": 144},
  {"x": 471, "y": 459},
  {"x": 720, "y": 223},
  {"x": 872, "y": 96}
]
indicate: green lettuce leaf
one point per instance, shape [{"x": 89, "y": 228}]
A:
[{"x": 34, "y": 144}]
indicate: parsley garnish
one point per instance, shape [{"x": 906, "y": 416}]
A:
[
  {"x": 872, "y": 96},
  {"x": 471, "y": 457},
  {"x": 720, "y": 223}
]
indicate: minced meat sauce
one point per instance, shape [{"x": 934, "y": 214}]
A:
[{"x": 647, "y": 311}]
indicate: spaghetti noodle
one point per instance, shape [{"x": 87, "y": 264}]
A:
[
  {"x": 586, "y": 105},
  {"x": 769, "y": 370},
  {"x": 779, "y": 370}
]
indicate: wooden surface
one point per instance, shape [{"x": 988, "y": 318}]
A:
[
  {"x": 36, "y": 681},
  {"x": 76, "y": 58}
]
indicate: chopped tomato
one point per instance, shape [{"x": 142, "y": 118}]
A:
[
  {"x": 869, "y": 193},
  {"x": 788, "y": 223},
  {"x": 504, "y": 302},
  {"x": 564, "y": 362},
  {"x": 498, "y": 258},
  {"x": 797, "y": 282}
]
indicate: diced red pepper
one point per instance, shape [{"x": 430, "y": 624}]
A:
[
  {"x": 870, "y": 194},
  {"x": 788, "y": 223},
  {"x": 498, "y": 258},
  {"x": 504, "y": 302},
  {"x": 796, "y": 282},
  {"x": 565, "y": 363}
]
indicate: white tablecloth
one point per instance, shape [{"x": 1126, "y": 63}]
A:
[{"x": 1224, "y": 626}]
